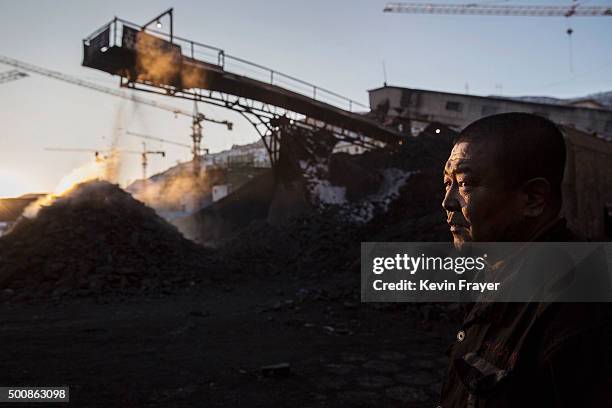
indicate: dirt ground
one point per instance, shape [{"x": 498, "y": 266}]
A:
[{"x": 207, "y": 347}]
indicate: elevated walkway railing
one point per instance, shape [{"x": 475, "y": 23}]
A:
[{"x": 236, "y": 65}]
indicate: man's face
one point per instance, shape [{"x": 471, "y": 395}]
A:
[{"x": 477, "y": 204}]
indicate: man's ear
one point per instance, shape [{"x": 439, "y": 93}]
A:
[{"x": 536, "y": 195}]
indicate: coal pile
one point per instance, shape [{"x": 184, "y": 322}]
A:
[
  {"x": 415, "y": 213},
  {"x": 315, "y": 245},
  {"x": 94, "y": 240},
  {"x": 323, "y": 243},
  {"x": 323, "y": 246}
]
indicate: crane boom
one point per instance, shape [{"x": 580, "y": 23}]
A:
[
  {"x": 84, "y": 150},
  {"x": 499, "y": 9},
  {"x": 157, "y": 139},
  {"x": 11, "y": 75},
  {"x": 143, "y": 154},
  {"x": 81, "y": 150},
  {"x": 66, "y": 149},
  {"x": 109, "y": 91}
]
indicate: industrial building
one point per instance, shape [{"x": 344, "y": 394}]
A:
[
  {"x": 587, "y": 196},
  {"x": 407, "y": 108},
  {"x": 252, "y": 154}
]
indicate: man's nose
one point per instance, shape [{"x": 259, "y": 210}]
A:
[{"x": 451, "y": 199}]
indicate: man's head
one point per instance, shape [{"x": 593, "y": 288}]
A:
[{"x": 503, "y": 178}]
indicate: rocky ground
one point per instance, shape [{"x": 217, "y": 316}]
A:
[{"x": 214, "y": 348}]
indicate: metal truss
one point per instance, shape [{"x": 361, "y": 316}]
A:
[{"x": 268, "y": 120}]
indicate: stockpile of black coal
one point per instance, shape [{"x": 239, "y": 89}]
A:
[
  {"x": 322, "y": 248},
  {"x": 94, "y": 240},
  {"x": 416, "y": 212},
  {"x": 324, "y": 242},
  {"x": 311, "y": 245}
]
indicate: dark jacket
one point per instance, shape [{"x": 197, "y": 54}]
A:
[{"x": 532, "y": 354}]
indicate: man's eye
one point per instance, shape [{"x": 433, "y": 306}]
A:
[{"x": 463, "y": 184}]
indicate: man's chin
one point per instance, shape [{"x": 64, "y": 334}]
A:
[{"x": 460, "y": 240}]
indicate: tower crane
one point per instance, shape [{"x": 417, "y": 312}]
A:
[
  {"x": 109, "y": 91},
  {"x": 197, "y": 117},
  {"x": 196, "y": 150},
  {"x": 11, "y": 75},
  {"x": 157, "y": 139},
  {"x": 144, "y": 154},
  {"x": 96, "y": 152},
  {"x": 145, "y": 160},
  {"x": 574, "y": 9}
]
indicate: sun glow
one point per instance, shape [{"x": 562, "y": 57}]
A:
[{"x": 101, "y": 168}]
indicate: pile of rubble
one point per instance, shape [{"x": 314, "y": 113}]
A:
[
  {"x": 382, "y": 190},
  {"x": 361, "y": 187},
  {"x": 96, "y": 239},
  {"x": 310, "y": 246},
  {"x": 325, "y": 241}
]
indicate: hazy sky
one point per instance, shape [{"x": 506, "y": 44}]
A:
[{"x": 339, "y": 45}]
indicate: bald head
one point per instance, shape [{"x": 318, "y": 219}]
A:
[
  {"x": 525, "y": 147},
  {"x": 503, "y": 179}
]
